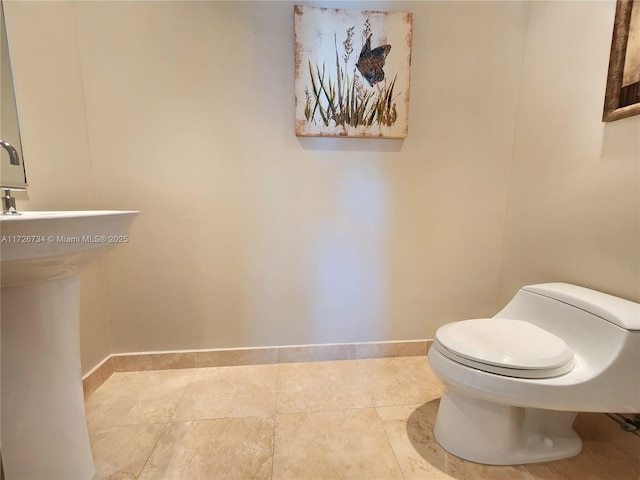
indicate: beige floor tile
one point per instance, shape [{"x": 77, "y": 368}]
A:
[
  {"x": 598, "y": 429},
  {"x": 227, "y": 448},
  {"x": 221, "y": 392},
  {"x": 400, "y": 380},
  {"x": 316, "y": 386},
  {"x": 319, "y": 424},
  {"x": 134, "y": 398},
  {"x": 410, "y": 432},
  {"x": 608, "y": 452},
  {"x": 345, "y": 444},
  {"x": 417, "y": 452},
  {"x": 121, "y": 452}
]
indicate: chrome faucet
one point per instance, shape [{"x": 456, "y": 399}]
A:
[
  {"x": 14, "y": 159},
  {"x": 8, "y": 202}
]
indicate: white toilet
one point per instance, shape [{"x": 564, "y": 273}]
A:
[{"x": 515, "y": 382}]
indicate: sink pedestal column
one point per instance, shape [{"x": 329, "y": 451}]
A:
[{"x": 44, "y": 428}]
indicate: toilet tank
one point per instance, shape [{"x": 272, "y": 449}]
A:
[
  {"x": 600, "y": 328},
  {"x": 624, "y": 313}
]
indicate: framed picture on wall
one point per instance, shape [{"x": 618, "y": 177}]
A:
[
  {"x": 351, "y": 72},
  {"x": 622, "y": 98}
]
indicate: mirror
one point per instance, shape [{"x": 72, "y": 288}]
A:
[{"x": 10, "y": 175}]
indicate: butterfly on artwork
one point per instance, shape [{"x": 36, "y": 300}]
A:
[{"x": 370, "y": 62}]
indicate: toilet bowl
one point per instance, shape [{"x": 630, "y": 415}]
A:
[{"x": 515, "y": 382}]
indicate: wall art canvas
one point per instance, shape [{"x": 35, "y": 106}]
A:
[
  {"x": 352, "y": 72},
  {"x": 622, "y": 97}
]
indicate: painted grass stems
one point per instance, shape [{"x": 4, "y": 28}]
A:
[{"x": 345, "y": 101}]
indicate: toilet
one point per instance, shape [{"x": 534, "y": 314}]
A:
[{"x": 514, "y": 383}]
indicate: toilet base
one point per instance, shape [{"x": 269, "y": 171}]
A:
[{"x": 496, "y": 434}]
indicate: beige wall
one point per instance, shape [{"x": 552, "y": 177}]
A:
[
  {"x": 53, "y": 124},
  {"x": 250, "y": 236},
  {"x": 574, "y": 192}
]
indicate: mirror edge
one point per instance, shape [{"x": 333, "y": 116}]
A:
[{"x": 12, "y": 183}]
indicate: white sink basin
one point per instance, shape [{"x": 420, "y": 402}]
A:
[
  {"x": 39, "y": 246},
  {"x": 43, "y": 425}
]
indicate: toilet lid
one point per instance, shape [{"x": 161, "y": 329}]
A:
[{"x": 507, "y": 344}]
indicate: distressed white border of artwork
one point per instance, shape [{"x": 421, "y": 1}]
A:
[{"x": 319, "y": 33}]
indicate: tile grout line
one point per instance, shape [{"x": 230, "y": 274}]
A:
[
  {"x": 167, "y": 424},
  {"x": 155, "y": 445},
  {"x": 275, "y": 421},
  {"x": 376, "y": 408},
  {"x": 386, "y": 434},
  {"x": 363, "y": 377},
  {"x": 193, "y": 374}
]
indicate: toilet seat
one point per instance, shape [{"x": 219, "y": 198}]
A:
[{"x": 513, "y": 348}]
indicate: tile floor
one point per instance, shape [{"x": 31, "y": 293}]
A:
[{"x": 356, "y": 419}]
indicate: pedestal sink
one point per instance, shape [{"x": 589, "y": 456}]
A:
[{"x": 43, "y": 425}]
